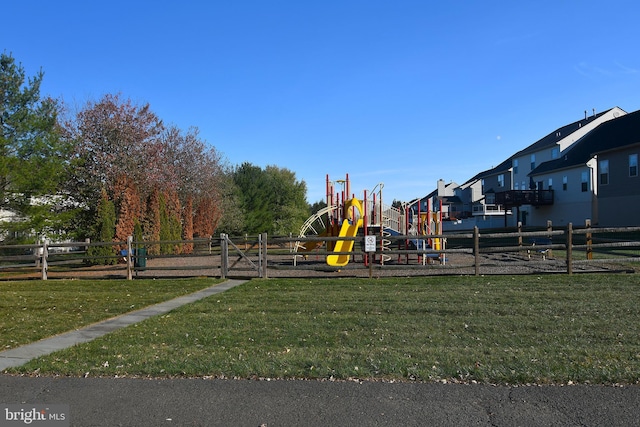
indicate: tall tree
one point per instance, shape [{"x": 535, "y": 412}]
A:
[
  {"x": 113, "y": 138},
  {"x": 187, "y": 225},
  {"x": 272, "y": 200},
  {"x": 170, "y": 224},
  {"x": 104, "y": 230},
  {"x": 253, "y": 193},
  {"x": 193, "y": 170},
  {"x": 204, "y": 222},
  {"x": 32, "y": 153},
  {"x": 288, "y": 200},
  {"x": 128, "y": 208},
  {"x": 118, "y": 142},
  {"x": 151, "y": 224},
  {"x": 232, "y": 220}
]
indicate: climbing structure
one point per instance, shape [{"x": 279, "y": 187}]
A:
[{"x": 348, "y": 216}]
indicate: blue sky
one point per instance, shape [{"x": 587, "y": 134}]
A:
[{"x": 402, "y": 93}]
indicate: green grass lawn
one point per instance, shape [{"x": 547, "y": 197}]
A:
[
  {"x": 31, "y": 310},
  {"x": 499, "y": 329}
]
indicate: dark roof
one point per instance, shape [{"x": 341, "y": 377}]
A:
[
  {"x": 445, "y": 199},
  {"x": 473, "y": 179},
  {"x": 612, "y": 134},
  {"x": 558, "y": 134},
  {"x": 502, "y": 167},
  {"x": 451, "y": 199},
  {"x": 549, "y": 140},
  {"x": 428, "y": 196}
]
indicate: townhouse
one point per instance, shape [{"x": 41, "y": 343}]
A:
[
  {"x": 598, "y": 177},
  {"x": 567, "y": 195},
  {"x": 586, "y": 170}
]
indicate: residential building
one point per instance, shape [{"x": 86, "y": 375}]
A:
[
  {"x": 587, "y": 169},
  {"x": 619, "y": 197},
  {"x": 550, "y": 148},
  {"x": 444, "y": 194},
  {"x": 469, "y": 194},
  {"x": 598, "y": 177},
  {"x": 494, "y": 181}
]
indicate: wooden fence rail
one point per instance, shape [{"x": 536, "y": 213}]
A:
[{"x": 518, "y": 252}]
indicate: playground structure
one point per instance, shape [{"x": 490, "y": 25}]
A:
[{"x": 347, "y": 216}]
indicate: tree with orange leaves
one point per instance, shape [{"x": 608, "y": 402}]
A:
[
  {"x": 128, "y": 205},
  {"x": 187, "y": 225}
]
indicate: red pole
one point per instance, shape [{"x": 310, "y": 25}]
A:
[
  {"x": 428, "y": 229},
  {"x": 365, "y": 226},
  {"x": 419, "y": 219},
  {"x": 381, "y": 219},
  {"x": 406, "y": 230},
  {"x": 327, "y": 192},
  {"x": 373, "y": 220},
  {"x": 347, "y": 185},
  {"x": 440, "y": 231}
]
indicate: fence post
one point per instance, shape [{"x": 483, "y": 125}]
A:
[
  {"x": 589, "y": 236},
  {"x": 37, "y": 252},
  {"x": 476, "y": 249},
  {"x": 45, "y": 254},
  {"x": 263, "y": 256},
  {"x": 259, "y": 255},
  {"x": 569, "y": 248},
  {"x": 129, "y": 257},
  {"x": 224, "y": 256},
  {"x": 520, "y": 233},
  {"x": 549, "y": 236}
]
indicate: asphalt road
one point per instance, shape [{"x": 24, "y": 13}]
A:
[{"x": 214, "y": 402}]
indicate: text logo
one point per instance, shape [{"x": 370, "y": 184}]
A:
[{"x": 40, "y": 415}]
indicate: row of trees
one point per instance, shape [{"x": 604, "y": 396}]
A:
[{"x": 114, "y": 169}]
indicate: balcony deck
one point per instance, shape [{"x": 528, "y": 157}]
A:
[
  {"x": 488, "y": 210},
  {"x": 525, "y": 197}
]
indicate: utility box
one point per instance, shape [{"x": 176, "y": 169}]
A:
[{"x": 140, "y": 259}]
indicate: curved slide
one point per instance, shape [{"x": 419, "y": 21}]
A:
[{"x": 346, "y": 230}]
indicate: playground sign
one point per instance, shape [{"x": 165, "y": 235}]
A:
[{"x": 370, "y": 243}]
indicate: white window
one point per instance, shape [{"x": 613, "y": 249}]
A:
[
  {"x": 604, "y": 172},
  {"x": 533, "y": 161},
  {"x": 555, "y": 152},
  {"x": 515, "y": 166},
  {"x": 501, "y": 180},
  {"x": 564, "y": 182},
  {"x": 516, "y": 186},
  {"x": 633, "y": 165},
  {"x": 550, "y": 183},
  {"x": 584, "y": 181}
]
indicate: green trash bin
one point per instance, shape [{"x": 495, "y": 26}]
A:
[{"x": 140, "y": 258}]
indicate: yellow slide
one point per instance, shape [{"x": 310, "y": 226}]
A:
[{"x": 347, "y": 230}]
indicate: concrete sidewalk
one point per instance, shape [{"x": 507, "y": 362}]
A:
[{"x": 21, "y": 355}]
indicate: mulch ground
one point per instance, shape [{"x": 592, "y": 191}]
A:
[{"x": 290, "y": 265}]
